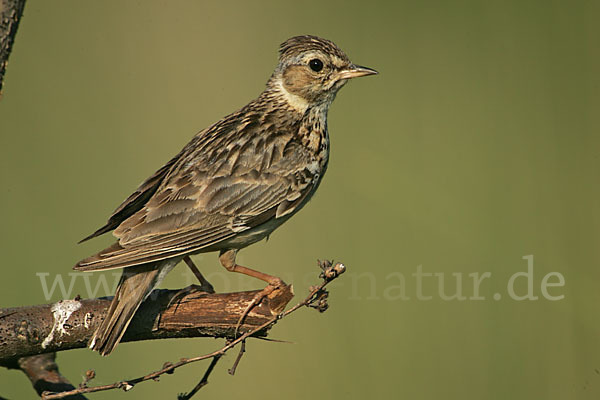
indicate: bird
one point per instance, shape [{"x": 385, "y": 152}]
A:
[{"x": 231, "y": 186}]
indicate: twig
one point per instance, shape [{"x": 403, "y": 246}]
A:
[
  {"x": 203, "y": 382},
  {"x": 328, "y": 274},
  {"x": 237, "y": 359}
]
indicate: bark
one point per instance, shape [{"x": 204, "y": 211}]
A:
[
  {"x": 10, "y": 15},
  {"x": 69, "y": 324},
  {"x": 43, "y": 373}
]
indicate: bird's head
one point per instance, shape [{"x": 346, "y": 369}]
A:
[{"x": 311, "y": 70}]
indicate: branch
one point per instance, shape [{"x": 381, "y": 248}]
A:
[
  {"x": 10, "y": 15},
  {"x": 317, "y": 298},
  {"x": 43, "y": 373},
  {"x": 69, "y": 324}
]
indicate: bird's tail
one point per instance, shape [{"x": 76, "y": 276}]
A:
[{"x": 135, "y": 285}]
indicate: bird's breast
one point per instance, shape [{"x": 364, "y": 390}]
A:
[{"x": 314, "y": 135}]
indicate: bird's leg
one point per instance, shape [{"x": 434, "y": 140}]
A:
[
  {"x": 227, "y": 259},
  {"x": 204, "y": 286}
]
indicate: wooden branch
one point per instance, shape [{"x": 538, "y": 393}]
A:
[
  {"x": 43, "y": 373},
  {"x": 10, "y": 15},
  {"x": 69, "y": 324},
  {"x": 317, "y": 298}
]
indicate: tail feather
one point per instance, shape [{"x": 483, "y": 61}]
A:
[{"x": 135, "y": 285}]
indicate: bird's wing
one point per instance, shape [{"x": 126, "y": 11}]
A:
[
  {"x": 134, "y": 202},
  {"x": 223, "y": 184}
]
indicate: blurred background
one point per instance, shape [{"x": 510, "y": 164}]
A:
[{"x": 476, "y": 146}]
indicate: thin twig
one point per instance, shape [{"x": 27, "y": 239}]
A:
[
  {"x": 203, "y": 382},
  {"x": 266, "y": 339},
  {"x": 329, "y": 274},
  {"x": 237, "y": 359}
]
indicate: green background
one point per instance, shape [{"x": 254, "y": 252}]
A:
[{"x": 476, "y": 145}]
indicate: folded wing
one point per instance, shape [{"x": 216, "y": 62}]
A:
[{"x": 218, "y": 186}]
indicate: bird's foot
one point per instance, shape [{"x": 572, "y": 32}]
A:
[
  {"x": 274, "y": 284},
  {"x": 180, "y": 295}
]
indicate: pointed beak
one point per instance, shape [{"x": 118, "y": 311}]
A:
[{"x": 355, "y": 71}]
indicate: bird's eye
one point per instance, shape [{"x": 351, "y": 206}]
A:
[{"x": 316, "y": 64}]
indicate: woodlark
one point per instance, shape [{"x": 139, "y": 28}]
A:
[{"x": 231, "y": 185}]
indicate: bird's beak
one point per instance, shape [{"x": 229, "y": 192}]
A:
[{"x": 355, "y": 71}]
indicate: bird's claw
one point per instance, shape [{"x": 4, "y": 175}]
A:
[
  {"x": 256, "y": 300},
  {"x": 208, "y": 289}
]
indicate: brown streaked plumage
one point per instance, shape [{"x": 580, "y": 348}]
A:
[{"x": 231, "y": 186}]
